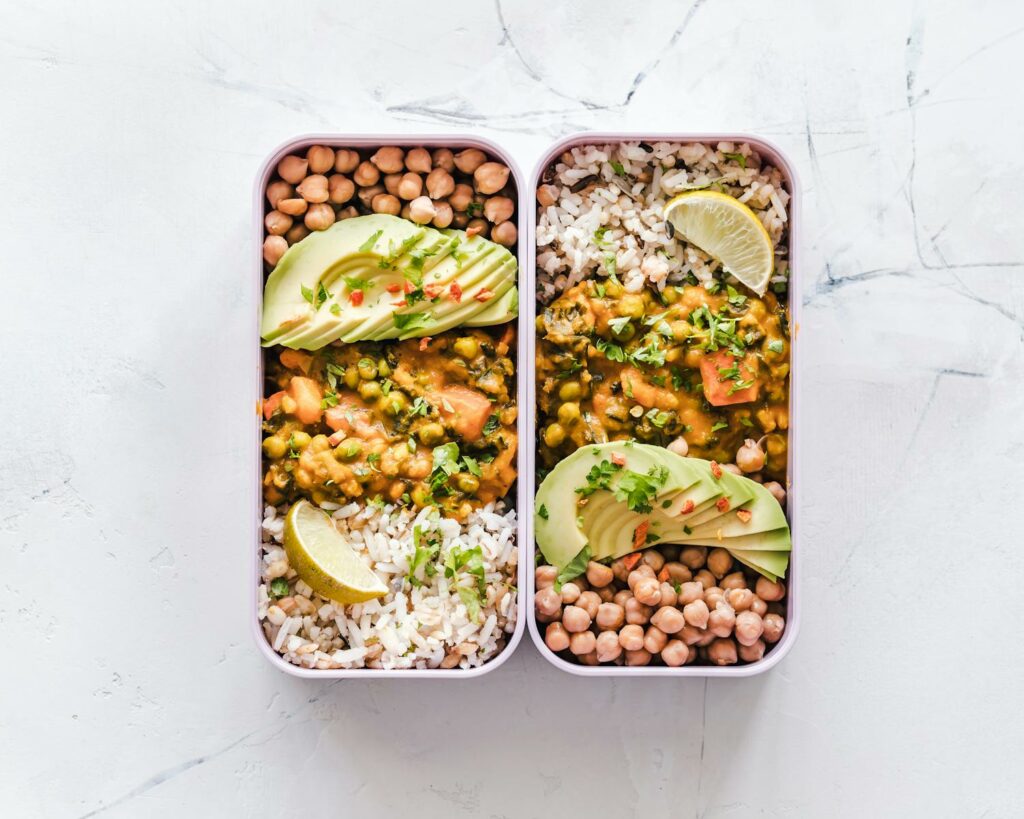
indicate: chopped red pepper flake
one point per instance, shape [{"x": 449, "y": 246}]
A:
[
  {"x": 356, "y": 297},
  {"x": 394, "y": 288},
  {"x": 663, "y": 575},
  {"x": 456, "y": 292},
  {"x": 722, "y": 504},
  {"x": 630, "y": 560},
  {"x": 401, "y": 303},
  {"x": 687, "y": 507},
  {"x": 424, "y": 343},
  {"x": 716, "y": 469},
  {"x": 618, "y": 459},
  {"x": 484, "y": 295},
  {"x": 640, "y": 534},
  {"x": 744, "y": 514},
  {"x": 431, "y": 291}
]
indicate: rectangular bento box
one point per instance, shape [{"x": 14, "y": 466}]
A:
[
  {"x": 520, "y": 496},
  {"x": 528, "y": 316}
]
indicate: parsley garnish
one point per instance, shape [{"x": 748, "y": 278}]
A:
[
  {"x": 330, "y": 399},
  {"x": 617, "y": 167},
  {"x": 638, "y": 490},
  {"x": 492, "y": 424},
  {"x": 471, "y": 465},
  {"x": 719, "y": 425},
  {"x": 599, "y": 477},
  {"x": 737, "y": 157},
  {"x": 355, "y": 283},
  {"x": 542, "y": 512},
  {"x": 370, "y": 242},
  {"x": 409, "y": 321},
  {"x": 575, "y": 567},
  {"x": 619, "y": 324},
  {"x": 278, "y": 587},
  {"x": 419, "y": 407}
]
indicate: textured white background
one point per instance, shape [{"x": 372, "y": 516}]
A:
[{"x": 129, "y": 139}]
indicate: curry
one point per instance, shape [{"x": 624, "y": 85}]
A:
[
  {"x": 419, "y": 422},
  {"x": 709, "y": 366}
]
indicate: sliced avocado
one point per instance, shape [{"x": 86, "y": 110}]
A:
[
  {"x": 765, "y": 515},
  {"x": 777, "y": 540},
  {"x": 498, "y": 312},
  {"x": 772, "y": 565},
  {"x": 603, "y": 530}
]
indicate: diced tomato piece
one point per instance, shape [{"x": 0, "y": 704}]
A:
[
  {"x": 271, "y": 404},
  {"x": 431, "y": 291},
  {"x": 467, "y": 410},
  {"x": 401, "y": 303},
  {"x": 640, "y": 534},
  {"x": 356, "y": 297},
  {"x": 722, "y": 504},
  {"x": 408, "y": 287},
  {"x": 744, "y": 515},
  {"x": 716, "y": 469},
  {"x": 630, "y": 560},
  {"x": 456, "y": 292},
  {"x": 687, "y": 507},
  {"x": 721, "y": 391},
  {"x": 394, "y": 288}
]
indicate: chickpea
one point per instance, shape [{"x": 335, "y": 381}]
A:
[
  {"x": 599, "y": 575},
  {"x": 691, "y": 635},
  {"x": 769, "y": 591},
  {"x": 490, "y": 177},
  {"x": 498, "y": 209},
  {"x": 547, "y": 601},
  {"x": 679, "y": 446},
  {"x": 608, "y": 647},
  {"x": 739, "y": 599},
  {"x": 722, "y": 652},
  {"x": 274, "y": 248},
  {"x": 773, "y": 625},
  {"x": 389, "y": 159},
  {"x": 430, "y": 434},
  {"x": 478, "y": 227},
  {"x": 693, "y": 557},
  {"x": 556, "y": 637},
  {"x": 750, "y": 457},
  {"x": 547, "y": 195},
  {"x": 675, "y": 653},
  {"x": 366, "y": 174},
  {"x": 719, "y": 563},
  {"x": 347, "y": 213},
  {"x": 292, "y": 169},
  {"x": 275, "y": 447},
  {"x": 467, "y": 347},
  {"x": 654, "y": 559},
  {"x": 505, "y": 234},
  {"x": 777, "y": 491},
  {"x": 589, "y": 602},
  {"x": 313, "y": 189},
  {"x": 276, "y": 191},
  {"x": 386, "y": 203},
  {"x": 391, "y": 182},
  {"x": 582, "y": 642},
  {"x": 639, "y": 657},
  {"x": 345, "y": 160},
  {"x": 668, "y": 595},
  {"x": 367, "y": 194},
  {"x": 713, "y": 596},
  {"x": 639, "y": 573},
  {"x": 736, "y": 580},
  {"x": 340, "y": 189},
  {"x": 293, "y": 207},
  {"x": 696, "y": 613},
  {"x": 610, "y": 616},
  {"x": 545, "y": 576},
  {"x": 297, "y": 233},
  {"x": 442, "y": 215},
  {"x": 574, "y": 618},
  {"x": 636, "y": 612},
  {"x": 677, "y": 572},
  {"x": 669, "y": 619},
  {"x": 705, "y": 578},
  {"x": 422, "y": 210},
  {"x": 443, "y": 158},
  {"x": 621, "y": 597},
  {"x": 440, "y": 183},
  {"x": 749, "y": 627},
  {"x": 690, "y": 591},
  {"x": 319, "y": 217},
  {"x": 461, "y": 197},
  {"x": 752, "y": 653},
  {"x": 654, "y": 639},
  {"x": 570, "y": 592},
  {"x": 648, "y": 591},
  {"x": 606, "y": 593},
  {"x": 631, "y": 637},
  {"x": 619, "y": 570},
  {"x": 320, "y": 158},
  {"x": 277, "y": 223},
  {"x": 554, "y": 435},
  {"x": 410, "y": 186},
  {"x": 418, "y": 160},
  {"x": 722, "y": 620},
  {"x": 469, "y": 160},
  {"x": 758, "y": 606}
]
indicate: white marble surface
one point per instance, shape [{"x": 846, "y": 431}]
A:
[{"x": 130, "y": 686}]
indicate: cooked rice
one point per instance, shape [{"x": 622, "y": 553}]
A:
[
  {"x": 411, "y": 627},
  {"x": 629, "y": 206}
]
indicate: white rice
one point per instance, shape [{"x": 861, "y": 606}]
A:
[
  {"x": 411, "y": 627},
  {"x": 628, "y": 208}
]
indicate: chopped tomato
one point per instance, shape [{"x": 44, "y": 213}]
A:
[
  {"x": 467, "y": 410},
  {"x": 722, "y": 504},
  {"x": 720, "y": 389},
  {"x": 716, "y": 469},
  {"x": 306, "y": 394},
  {"x": 424, "y": 343},
  {"x": 394, "y": 288},
  {"x": 618, "y": 459},
  {"x": 356, "y": 297},
  {"x": 687, "y": 507},
  {"x": 640, "y": 534},
  {"x": 456, "y": 292},
  {"x": 630, "y": 560},
  {"x": 431, "y": 291},
  {"x": 408, "y": 287},
  {"x": 271, "y": 404}
]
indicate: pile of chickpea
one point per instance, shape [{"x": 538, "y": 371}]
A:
[
  {"x": 466, "y": 190},
  {"x": 677, "y": 605}
]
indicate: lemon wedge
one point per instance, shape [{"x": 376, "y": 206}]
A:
[
  {"x": 727, "y": 230},
  {"x": 323, "y": 558}
]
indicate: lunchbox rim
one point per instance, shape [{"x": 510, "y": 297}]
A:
[
  {"x": 793, "y": 489},
  {"x": 524, "y": 500}
]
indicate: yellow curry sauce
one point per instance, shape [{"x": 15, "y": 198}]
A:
[
  {"x": 424, "y": 421},
  {"x": 710, "y": 367}
]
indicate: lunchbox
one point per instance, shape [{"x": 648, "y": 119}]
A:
[
  {"x": 522, "y": 492},
  {"x": 528, "y": 316}
]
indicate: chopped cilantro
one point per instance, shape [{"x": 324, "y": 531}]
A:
[
  {"x": 370, "y": 242},
  {"x": 409, "y": 321},
  {"x": 617, "y": 167},
  {"x": 471, "y": 464},
  {"x": 419, "y": 407},
  {"x": 719, "y": 425},
  {"x": 574, "y": 568},
  {"x": 336, "y": 309},
  {"x": 492, "y": 424},
  {"x": 278, "y": 587},
  {"x": 737, "y": 157},
  {"x": 599, "y": 477},
  {"x": 542, "y": 512},
  {"x": 638, "y": 489},
  {"x": 330, "y": 399},
  {"x": 355, "y": 283},
  {"x": 619, "y": 324}
]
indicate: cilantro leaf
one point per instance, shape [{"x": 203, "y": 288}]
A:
[
  {"x": 573, "y": 569},
  {"x": 638, "y": 489},
  {"x": 371, "y": 241}
]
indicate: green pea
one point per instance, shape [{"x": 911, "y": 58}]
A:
[
  {"x": 351, "y": 377},
  {"x": 383, "y": 370},
  {"x": 393, "y": 403},
  {"x": 467, "y": 347},
  {"x": 420, "y": 495},
  {"x": 467, "y": 483},
  {"x": 275, "y": 447},
  {"x": 625, "y": 332},
  {"x": 554, "y": 435},
  {"x": 570, "y": 391},
  {"x": 367, "y": 369},
  {"x": 670, "y": 295},
  {"x": 300, "y": 439},
  {"x": 569, "y": 413},
  {"x": 631, "y": 305},
  {"x": 370, "y": 391},
  {"x": 430, "y": 434},
  {"x": 348, "y": 449}
]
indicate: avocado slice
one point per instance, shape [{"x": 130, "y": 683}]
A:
[
  {"x": 772, "y": 565},
  {"x": 765, "y": 515},
  {"x": 315, "y": 260},
  {"x": 498, "y": 311},
  {"x": 777, "y": 540}
]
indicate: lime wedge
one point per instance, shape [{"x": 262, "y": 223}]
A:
[
  {"x": 324, "y": 560},
  {"x": 729, "y": 231}
]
